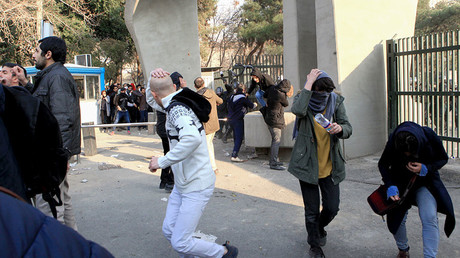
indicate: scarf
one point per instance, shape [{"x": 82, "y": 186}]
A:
[{"x": 319, "y": 102}]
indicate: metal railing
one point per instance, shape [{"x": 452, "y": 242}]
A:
[{"x": 423, "y": 75}]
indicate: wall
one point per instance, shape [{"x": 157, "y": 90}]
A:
[
  {"x": 348, "y": 39},
  {"x": 166, "y": 35}
]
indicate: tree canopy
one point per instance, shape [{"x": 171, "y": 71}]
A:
[
  {"x": 93, "y": 27},
  {"x": 445, "y": 16}
]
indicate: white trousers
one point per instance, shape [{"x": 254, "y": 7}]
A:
[
  {"x": 182, "y": 216},
  {"x": 65, "y": 213},
  {"x": 209, "y": 138}
]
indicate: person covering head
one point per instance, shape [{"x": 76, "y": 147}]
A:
[
  {"x": 9, "y": 74},
  {"x": 322, "y": 96}
]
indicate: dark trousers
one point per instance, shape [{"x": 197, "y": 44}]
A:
[
  {"x": 113, "y": 113},
  {"x": 315, "y": 220},
  {"x": 167, "y": 175},
  {"x": 143, "y": 117},
  {"x": 238, "y": 135},
  {"x": 104, "y": 118},
  {"x": 133, "y": 114}
]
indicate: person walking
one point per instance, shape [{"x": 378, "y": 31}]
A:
[
  {"x": 238, "y": 105},
  {"x": 189, "y": 158},
  {"x": 274, "y": 118},
  {"x": 212, "y": 126},
  {"x": 56, "y": 88},
  {"x": 317, "y": 159},
  {"x": 413, "y": 151}
]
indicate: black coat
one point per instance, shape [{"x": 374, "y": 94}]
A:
[
  {"x": 276, "y": 101},
  {"x": 57, "y": 89},
  {"x": 431, "y": 153}
]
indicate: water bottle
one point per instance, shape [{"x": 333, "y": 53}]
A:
[{"x": 323, "y": 121}]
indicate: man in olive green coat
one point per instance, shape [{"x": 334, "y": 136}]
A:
[{"x": 317, "y": 159}]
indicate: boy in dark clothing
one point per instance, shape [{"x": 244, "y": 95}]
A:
[
  {"x": 274, "y": 118},
  {"x": 264, "y": 81},
  {"x": 121, "y": 103},
  {"x": 238, "y": 105}
]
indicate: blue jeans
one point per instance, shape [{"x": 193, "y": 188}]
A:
[
  {"x": 122, "y": 115},
  {"x": 260, "y": 98},
  {"x": 427, "y": 210},
  {"x": 144, "y": 116},
  {"x": 238, "y": 135}
]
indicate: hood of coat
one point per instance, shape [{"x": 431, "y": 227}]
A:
[
  {"x": 200, "y": 106},
  {"x": 257, "y": 72},
  {"x": 414, "y": 129},
  {"x": 284, "y": 86}
]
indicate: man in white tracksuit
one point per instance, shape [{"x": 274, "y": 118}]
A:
[{"x": 189, "y": 158}]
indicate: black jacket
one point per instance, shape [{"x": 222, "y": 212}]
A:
[
  {"x": 431, "y": 153},
  {"x": 121, "y": 100},
  {"x": 57, "y": 89},
  {"x": 35, "y": 139},
  {"x": 10, "y": 174},
  {"x": 276, "y": 101},
  {"x": 265, "y": 81}
]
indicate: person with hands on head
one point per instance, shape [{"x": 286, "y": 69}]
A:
[
  {"x": 317, "y": 159},
  {"x": 194, "y": 179},
  {"x": 415, "y": 150}
]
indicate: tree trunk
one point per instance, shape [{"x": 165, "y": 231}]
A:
[{"x": 249, "y": 56}]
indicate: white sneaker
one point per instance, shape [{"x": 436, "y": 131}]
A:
[{"x": 236, "y": 159}]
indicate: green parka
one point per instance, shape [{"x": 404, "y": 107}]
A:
[{"x": 304, "y": 158}]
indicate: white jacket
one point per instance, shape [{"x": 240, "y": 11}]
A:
[{"x": 188, "y": 156}]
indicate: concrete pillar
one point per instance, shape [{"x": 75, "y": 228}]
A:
[
  {"x": 348, "y": 39},
  {"x": 166, "y": 35},
  {"x": 89, "y": 140}
]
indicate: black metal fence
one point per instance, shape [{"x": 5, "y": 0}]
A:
[
  {"x": 269, "y": 64},
  {"x": 423, "y": 75}
]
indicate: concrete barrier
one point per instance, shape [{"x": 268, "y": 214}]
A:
[
  {"x": 256, "y": 132},
  {"x": 89, "y": 139}
]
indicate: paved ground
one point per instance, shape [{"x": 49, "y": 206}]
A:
[{"x": 259, "y": 210}]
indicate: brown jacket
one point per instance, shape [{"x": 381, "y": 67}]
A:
[{"x": 212, "y": 125}]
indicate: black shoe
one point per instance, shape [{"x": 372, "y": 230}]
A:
[
  {"x": 231, "y": 251},
  {"x": 277, "y": 167},
  {"x": 162, "y": 185},
  {"x": 279, "y": 163},
  {"x": 316, "y": 252},
  {"x": 322, "y": 237},
  {"x": 169, "y": 187}
]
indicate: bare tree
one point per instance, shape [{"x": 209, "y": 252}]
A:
[{"x": 20, "y": 23}]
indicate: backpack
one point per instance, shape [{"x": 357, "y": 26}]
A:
[{"x": 37, "y": 145}]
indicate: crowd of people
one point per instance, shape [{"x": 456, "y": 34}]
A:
[
  {"x": 123, "y": 104},
  {"x": 187, "y": 122}
]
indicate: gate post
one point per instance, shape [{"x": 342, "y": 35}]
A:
[
  {"x": 89, "y": 140},
  {"x": 392, "y": 77}
]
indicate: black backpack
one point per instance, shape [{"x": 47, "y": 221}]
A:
[{"x": 37, "y": 145}]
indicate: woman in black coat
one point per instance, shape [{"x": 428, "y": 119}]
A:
[
  {"x": 415, "y": 150},
  {"x": 274, "y": 117}
]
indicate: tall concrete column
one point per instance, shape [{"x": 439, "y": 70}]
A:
[
  {"x": 166, "y": 35},
  {"x": 347, "y": 39}
]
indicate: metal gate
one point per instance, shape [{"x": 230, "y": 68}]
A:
[{"x": 423, "y": 75}]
